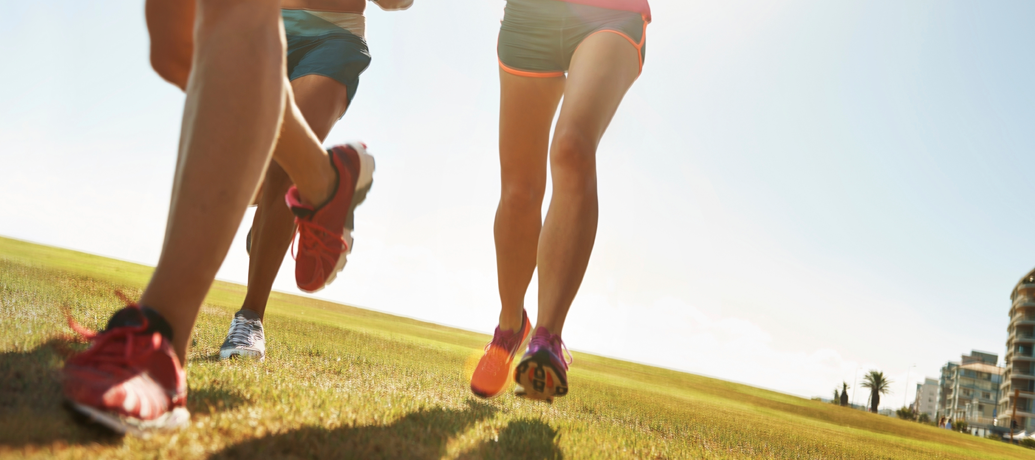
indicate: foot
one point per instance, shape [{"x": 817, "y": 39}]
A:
[
  {"x": 246, "y": 337},
  {"x": 493, "y": 372},
  {"x": 129, "y": 380},
  {"x": 542, "y": 373},
  {"x": 325, "y": 232}
]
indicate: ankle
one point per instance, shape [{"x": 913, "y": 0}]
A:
[
  {"x": 509, "y": 322},
  {"x": 320, "y": 187}
]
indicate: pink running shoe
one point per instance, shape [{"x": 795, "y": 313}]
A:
[
  {"x": 325, "y": 232},
  {"x": 129, "y": 380},
  {"x": 543, "y": 372}
]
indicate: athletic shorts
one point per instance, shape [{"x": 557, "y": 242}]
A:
[
  {"x": 538, "y": 37},
  {"x": 328, "y": 44}
]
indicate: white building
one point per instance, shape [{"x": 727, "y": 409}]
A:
[{"x": 926, "y": 401}]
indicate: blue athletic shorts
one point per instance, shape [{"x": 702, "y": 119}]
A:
[{"x": 328, "y": 44}]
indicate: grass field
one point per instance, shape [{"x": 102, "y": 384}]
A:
[{"x": 342, "y": 382}]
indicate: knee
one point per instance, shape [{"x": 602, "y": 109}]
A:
[
  {"x": 277, "y": 180},
  {"x": 573, "y": 159},
  {"x": 523, "y": 195}
]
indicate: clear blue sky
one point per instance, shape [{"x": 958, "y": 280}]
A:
[{"x": 791, "y": 191}]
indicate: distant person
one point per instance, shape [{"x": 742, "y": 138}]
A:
[
  {"x": 230, "y": 59},
  {"x": 326, "y": 53},
  {"x": 589, "y": 52}
]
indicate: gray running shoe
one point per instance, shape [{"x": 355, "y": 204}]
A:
[{"x": 246, "y": 337}]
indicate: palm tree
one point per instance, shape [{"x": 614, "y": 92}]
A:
[
  {"x": 878, "y": 385},
  {"x": 844, "y": 394}
]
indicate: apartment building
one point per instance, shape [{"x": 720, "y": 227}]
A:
[
  {"x": 1018, "y": 386},
  {"x": 926, "y": 401},
  {"x": 969, "y": 391}
]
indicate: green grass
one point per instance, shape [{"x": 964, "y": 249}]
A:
[{"x": 342, "y": 382}]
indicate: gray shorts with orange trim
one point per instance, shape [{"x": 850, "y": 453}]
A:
[{"x": 538, "y": 37}]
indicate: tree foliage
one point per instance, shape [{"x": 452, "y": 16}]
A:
[
  {"x": 906, "y": 413},
  {"x": 878, "y": 385}
]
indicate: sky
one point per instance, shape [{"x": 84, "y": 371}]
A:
[{"x": 793, "y": 193}]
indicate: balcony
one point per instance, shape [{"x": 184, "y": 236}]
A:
[
  {"x": 1021, "y": 352},
  {"x": 1023, "y": 319},
  {"x": 1022, "y": 336}
]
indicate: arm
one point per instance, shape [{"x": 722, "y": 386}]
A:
[{"x": 393, "y": 5}]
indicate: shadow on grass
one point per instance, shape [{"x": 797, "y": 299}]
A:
[
  {"x": 521, "y": 439},
  {"x": 418, "y": 435},
  {"x": 206, "y": 401},
  {"x": 31, "y": 406}
]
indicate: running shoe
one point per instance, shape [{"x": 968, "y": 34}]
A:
[
  {"x": 325, "y": 232},
  {"x": 129, "y": 380},
  {"x": 493, "y": 371},
  {"x": 246, "y": 337},
  {"x": 542, "y": 373}
]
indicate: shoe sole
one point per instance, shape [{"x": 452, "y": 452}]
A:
[
  {"x": 538, "y": 379},
  {"x": 363, "y": 185},
  {"x": 521, "y": 347},
  {"x": 232, "y": 353},
  {"x": 172, "y": 420}
]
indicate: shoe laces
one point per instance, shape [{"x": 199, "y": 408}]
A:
[
  {"x": 554, "y": 343},
  {"x": 245, "y": 332},
  {"x": 115, "y": 350},
  {"x": 311, "y": 241},
  {"x": 507, "y": 340}
]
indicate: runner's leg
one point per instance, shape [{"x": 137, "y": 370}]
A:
[
  {"x": 170, "y": 24},
  {"x": 601, "y": 71},
  {"x": 321, "y": 100},
  {"x": 527, "y": 108},
  {"x": 235, "y": 103}
]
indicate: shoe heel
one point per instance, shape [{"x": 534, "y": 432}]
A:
[{"x": 366, "y": 167}]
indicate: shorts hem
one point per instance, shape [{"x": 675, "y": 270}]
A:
[{"x": 531, "y": 73}]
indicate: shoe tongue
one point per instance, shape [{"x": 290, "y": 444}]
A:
[
  {"x": 131, "y": 316},
  {"x": 247, "y": 314}
]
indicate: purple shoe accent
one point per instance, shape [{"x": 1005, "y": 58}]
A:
[
  {"x": 543, "y": 339},
  {"x": 509, "y": 340}
]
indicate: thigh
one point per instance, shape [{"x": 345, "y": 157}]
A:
[
  {"x": 529, "y": 42},
  {"x": 603, "y": 68},
  {"x": 322, "y": 101},
  {"x": 527, "y": 108}
]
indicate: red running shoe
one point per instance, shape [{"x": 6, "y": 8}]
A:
[
  {"x": 129, "y": 380},
  {"x": 325, "y": 232},
  {"x": 543, "y": 371}
]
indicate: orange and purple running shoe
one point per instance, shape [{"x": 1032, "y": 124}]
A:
[
  {"x": 542, "y": 373},
  {"x": 325, "y": 231},
  {"x": 130, "y": 379},
  {"x": 493, "y": 372}
]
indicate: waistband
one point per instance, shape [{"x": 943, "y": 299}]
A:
[{"x": 313, "y": 23}]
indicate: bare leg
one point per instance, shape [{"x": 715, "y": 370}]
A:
[
  {"x": 235, "y": 101},
  {"x": 602, "y": 70},
  {"x": 170, "y": 24},
  {"x": 527, "y": 107},
  {"x": 321, "y": 100}
]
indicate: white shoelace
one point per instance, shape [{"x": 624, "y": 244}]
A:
[{"x": 245, "y": 332}]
